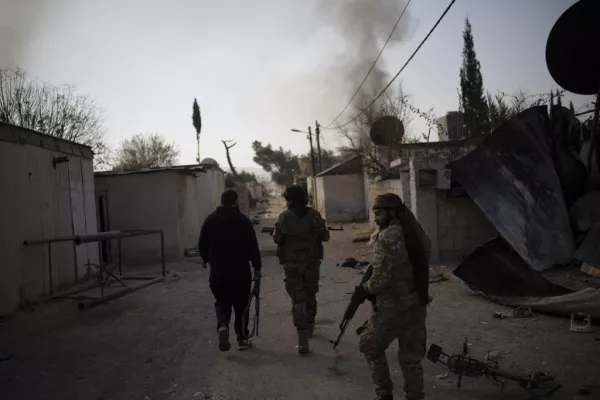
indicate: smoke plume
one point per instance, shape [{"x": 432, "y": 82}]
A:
[
  {"x": 18, "y": 20},
  {"x": 364, "y": 26}
]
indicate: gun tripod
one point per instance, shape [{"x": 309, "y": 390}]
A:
[{"x": 463, "y": 365}]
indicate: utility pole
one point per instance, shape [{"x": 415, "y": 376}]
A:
[
  {"x": 318, "y": 132},
  {"x": 314, "y": 168},
  {"x": 312, "y": 153}
]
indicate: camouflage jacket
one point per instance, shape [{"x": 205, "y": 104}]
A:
[
  {"x": 299, "y": 235},
  {"x": 393, "y": 281}
]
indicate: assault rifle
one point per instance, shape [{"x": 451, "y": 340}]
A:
[
  {"x": 271, "y": 229},
  {"x": 255, "y": 292},
  {"x": 463, "y": 365},
  {"x": 352, "y": 307}
]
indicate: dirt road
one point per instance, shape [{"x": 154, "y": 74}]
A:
[{"x": 160, "y": 343}]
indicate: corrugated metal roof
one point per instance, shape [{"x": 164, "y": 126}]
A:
[{"x": 183, "y": 169}]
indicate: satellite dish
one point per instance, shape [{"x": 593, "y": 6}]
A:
[
  {"x": 387, "y": 131},
  {"x": 572, "y": 49},
  {"x": 210, "y": 161}
]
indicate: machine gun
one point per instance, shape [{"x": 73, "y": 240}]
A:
[
  {"x": 271, "y": 229},
  {"x": 352, "y": 307},
  {"x": 463, "y": 365}
]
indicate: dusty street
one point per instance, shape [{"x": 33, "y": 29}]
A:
[{"x": 160, "y": 343}]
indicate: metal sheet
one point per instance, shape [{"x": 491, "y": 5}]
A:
[
  {"x": 495, "y": 269},
  {"x": 586, "y": 301},
  {"x": 589, "y": 251},
  {"x": 511, "y": 177}
]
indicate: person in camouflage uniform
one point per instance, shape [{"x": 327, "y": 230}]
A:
[
  {"x": 398, "y": 290},
  {"x": 299, "y": 233}
]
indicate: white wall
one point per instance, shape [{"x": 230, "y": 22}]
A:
[
  {"x": 343, "y": 199},
  {"x": 376, "y": 188},
  {"x": 171, "y": 200},
  {"x": 143, "y": 201},
  {"x": 321, "y": 197},
  {"x": 41, "y": 202}
]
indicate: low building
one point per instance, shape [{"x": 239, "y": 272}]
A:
[
  {"x": 173, "y": 199},
  {"x": 340, "y": 192},
  {"x": 454, "y": 223},
  {"x": 47, "y": 192}
]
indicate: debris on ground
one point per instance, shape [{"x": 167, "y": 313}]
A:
[
  {"x": 362, "y": 237},
  {"x": 519, "y": 312},
  {"x": 581, "y": 323},
  {"x": 442, "y": 376},
  {"x": 592, "y": 271},
  {"x": 255, "y": 222},
  {"x": 353, "y": 263},
  {"x": 435, "y": 278},
  {"x": 495, "y": 356}
]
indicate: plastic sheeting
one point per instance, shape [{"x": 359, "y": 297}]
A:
[{"x": 511, "y": 177}]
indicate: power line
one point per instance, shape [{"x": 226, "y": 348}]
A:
[
  {"x": 401, "y": 69},
  {"x": 372, "y": 66}
]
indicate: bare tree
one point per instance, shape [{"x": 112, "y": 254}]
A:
[
  {"x": 357, "y": 134},
  {"x": 145, "y": 151},
  {"x": 54, "y": 110},
  {"x": 227, "y": 147}
]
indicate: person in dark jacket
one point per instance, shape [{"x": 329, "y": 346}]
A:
[{"x": 228, "y": 244}]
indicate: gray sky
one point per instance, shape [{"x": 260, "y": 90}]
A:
[{"x": 261, "y": 67}]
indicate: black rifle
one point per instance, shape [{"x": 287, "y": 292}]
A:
[
  {"x": 255, "y": 292},
  {"x": 352, "y": 307},
  {"x": 271, "y": 229}
]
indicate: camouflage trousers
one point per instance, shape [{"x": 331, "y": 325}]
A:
[
  {"x": 408, "y": 327},
  {"x": 302, "y": 285}
]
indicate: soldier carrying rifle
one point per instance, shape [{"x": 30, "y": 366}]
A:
[
  {"x": 299, "y": 233},
  {"x": 398, "y": 289}
]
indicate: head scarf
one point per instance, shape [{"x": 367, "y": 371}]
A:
[
  {"x": 414, "y": 238},
  {"x": 296, "y": 197}
]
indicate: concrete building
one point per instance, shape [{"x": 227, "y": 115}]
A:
[
  {"x": 454, "y": 223},
  {"x": 451, "y": 126},
  {"x": 340, "y": 192},
  {"x": 174, "y": 199},
  {"x": 47, "y": 192}
]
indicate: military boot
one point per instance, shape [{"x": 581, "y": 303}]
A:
[
  {"x": 310, "y": 329},
  {"x": 303, "y": 341}
]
